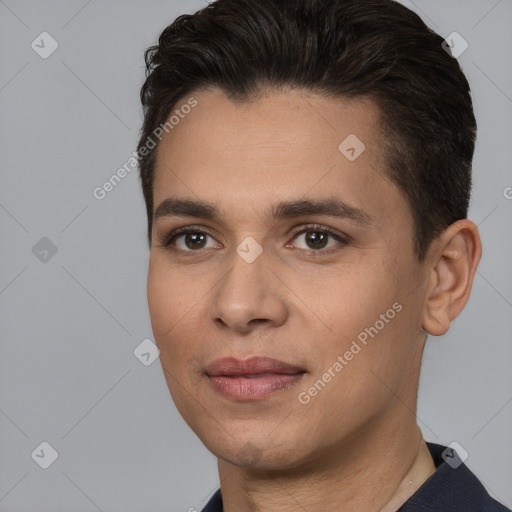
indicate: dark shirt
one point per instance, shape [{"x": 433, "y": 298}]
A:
[{"x": 452, "y": 488}]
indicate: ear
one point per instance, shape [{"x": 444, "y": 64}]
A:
[{"x": 453, "y": 259}]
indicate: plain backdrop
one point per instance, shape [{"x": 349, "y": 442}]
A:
[{"x": 73, "y": 268}]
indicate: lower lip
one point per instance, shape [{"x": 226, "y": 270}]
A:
[{"x": 253, "y": 388}]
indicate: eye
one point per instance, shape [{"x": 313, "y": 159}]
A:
[
  {"x": 315, "y": 238},
  {"x": 312, "y": 239},
  {"x": 189, "y": 240}
]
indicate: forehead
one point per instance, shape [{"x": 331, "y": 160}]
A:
[{"x": 282, "y": 145}]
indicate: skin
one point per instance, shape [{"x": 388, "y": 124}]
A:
[{"x": 355, "y": 445}]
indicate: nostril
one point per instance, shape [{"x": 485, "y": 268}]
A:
[{"x": 258, "y": 321}]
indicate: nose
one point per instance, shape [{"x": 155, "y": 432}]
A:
[{"x": 249, "y": 297}]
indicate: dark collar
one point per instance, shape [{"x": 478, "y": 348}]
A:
[
  {"x": 453, "y": 487},
  {"x": 449, "y": 489}
]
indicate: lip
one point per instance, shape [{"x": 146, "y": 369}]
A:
[
  {"x": 252, "y": 379},
  {"x": 230, "y": 366}
]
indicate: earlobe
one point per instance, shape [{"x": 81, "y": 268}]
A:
[{"x": 453, "y": 260}]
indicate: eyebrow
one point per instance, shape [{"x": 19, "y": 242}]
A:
[{"x": 174, "y": 207}]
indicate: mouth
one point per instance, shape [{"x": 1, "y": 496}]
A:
[{"x": 252, "y": 379}]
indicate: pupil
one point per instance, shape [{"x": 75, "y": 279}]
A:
[
  {"x": 317, "y": 239},
  {"x": 196, "y": 240}
]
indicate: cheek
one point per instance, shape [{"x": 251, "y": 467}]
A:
[
  {"x": 367, "y": 377},
  {"x": 177, "y": 314},
  {"x": 170, "y": 295},
  {"x": 368, "y": 326},
  {"x": 166, "y": 308},
  {"x": 353, "y": 298},
  {"x": 161, "y": 302}
]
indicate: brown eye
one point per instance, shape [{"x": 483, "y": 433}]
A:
[
  {"x": 189, "y": 240},
  {"x": 315, "y": 239},
  {"x": 195, "y": 240}
]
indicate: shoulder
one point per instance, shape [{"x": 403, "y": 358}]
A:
[
  {"x": 453, "y": 487},
  {"x": 215, "y": 503}
]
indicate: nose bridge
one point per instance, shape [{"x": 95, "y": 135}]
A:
[{"x": 247, "y": 292}]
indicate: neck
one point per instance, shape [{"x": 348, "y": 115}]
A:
[
  {"x": 365, "y": 474},
  {"x": 421, "y": 469}
]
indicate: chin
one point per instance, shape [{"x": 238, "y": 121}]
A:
[{"x": 258, "y": 454}]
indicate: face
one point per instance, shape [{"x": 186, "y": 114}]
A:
[{"x": 288, "y": 316}]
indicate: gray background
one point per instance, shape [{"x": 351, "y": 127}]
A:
[{"x": 70, "y": 324}]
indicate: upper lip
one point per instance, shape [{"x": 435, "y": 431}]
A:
[{"x": 252, "y": 366}]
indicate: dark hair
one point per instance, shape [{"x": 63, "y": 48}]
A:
[{"x": 376, "y": 49}]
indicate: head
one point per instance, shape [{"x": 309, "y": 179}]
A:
[{"x": 319, "y": 155}]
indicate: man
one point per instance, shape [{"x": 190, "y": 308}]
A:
[{"x": 306, "y": 167}]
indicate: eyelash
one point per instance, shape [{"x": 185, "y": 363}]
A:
[{"x": 167, "y": 240}]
